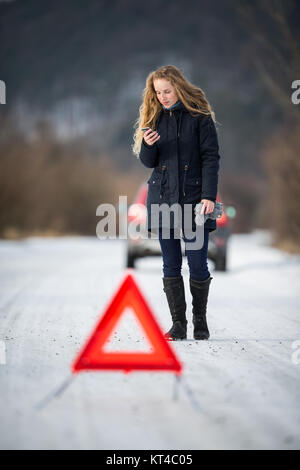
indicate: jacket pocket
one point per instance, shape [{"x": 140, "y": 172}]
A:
[
  {"x": 192, "y": 188},
  {"x": 195, "y": 181},
  {"x": 158, "y": 185},
  {"x": 154, "y": 180}
]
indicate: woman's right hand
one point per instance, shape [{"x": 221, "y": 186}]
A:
[{"x": 150, "y": 137}]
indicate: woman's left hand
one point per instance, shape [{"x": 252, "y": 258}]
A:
[{"x": 208, "y": 206}]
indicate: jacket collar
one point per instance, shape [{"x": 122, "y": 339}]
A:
[{"x": 178, "y": 106}]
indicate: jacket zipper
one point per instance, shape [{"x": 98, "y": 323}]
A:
[
  {"x": 185, "y": 170},
  {"x": 171, "y": 114},
  {"x": 164, "y": 167}
]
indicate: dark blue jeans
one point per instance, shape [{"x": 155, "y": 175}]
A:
[{"x": 172, "y": 257}]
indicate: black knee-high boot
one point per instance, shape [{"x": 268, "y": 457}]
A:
[
  {"x": 174, "y": 289},
  {"x": 199, "y": 291}
]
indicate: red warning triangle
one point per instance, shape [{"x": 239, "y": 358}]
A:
[{"x": 93, "y": 356}]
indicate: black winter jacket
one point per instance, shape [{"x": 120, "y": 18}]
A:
[{"x": 185, "y": 161}]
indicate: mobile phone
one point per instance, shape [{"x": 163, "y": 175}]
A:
[{"x": 144, "y": 129}]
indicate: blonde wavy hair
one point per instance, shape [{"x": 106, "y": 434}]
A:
[{"x": 192, "y": 97}]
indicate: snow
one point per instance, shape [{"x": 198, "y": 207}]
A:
[{"x": 240, "y": 389}]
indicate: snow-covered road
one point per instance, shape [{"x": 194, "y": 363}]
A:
[{"x": 245, "y": 380}]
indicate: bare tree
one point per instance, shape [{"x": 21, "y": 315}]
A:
[{"x": 273, "y": 49}]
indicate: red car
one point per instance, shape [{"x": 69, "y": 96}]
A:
[{"x": 141, "y": 247}]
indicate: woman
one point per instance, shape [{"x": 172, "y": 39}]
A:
[{"x": 181, "y": 145}]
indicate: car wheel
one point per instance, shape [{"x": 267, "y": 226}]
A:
[
  {"x": 220, "y": 263},
  {"x": 130, "y": 260}
]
